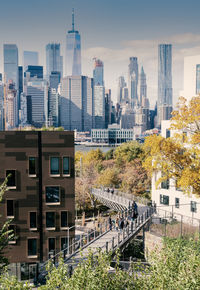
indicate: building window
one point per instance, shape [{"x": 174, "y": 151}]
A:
[
  {"x": 165, "y": 184},
  {"x": 13, "y": 229},
  {"x": 177, "y": 202},
  {"x": 177, "y": 187},
  {"x": 32, "y": 166},
  {"x": 33, "y": 220},
  {"x": 10, "y": 174},
  {"x": 167, "y": 133},
  {"x": 52, "y": 244},
  {"x": 193, "y": 206},
  {"x": 52, "y": 195},
  {"x": 32, "y": 248},
  {"x": 54, "y": 166},
  {"x": 10, "y": 208},
  {"x": 164, "y": 199},
  {"x": 64, "y": 243},
  {"x": 50, "y": 220},
  {"x": 64, "y": 221},
  {"x": 66, "y": 166}
]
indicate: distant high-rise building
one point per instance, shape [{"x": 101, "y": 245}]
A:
[
  {"x": 133, "y": 80},
  {"x": 53, "y": 107},
  {"x": 0, "y": 77},
  {"x": 164, "y": 81},
  {"x": 191, "y": 80},
  {"x": 11, "y": 63},
  {"x": 1, "y": 106},
  {"x": 54, "y": 61},
  {"x": 108, "y": 107},
  {"x": 121, "y": 85},
  {"x": 99, "y": 107},
  {"x": 73, "y": 52},
  {"x": 11, "y": 106},
  {"x": 198, "y": 79},
  {"x": 98, "y": 74},
  {"x": 35, "y": 71},
  {"x": 20, "y": 88},
  {"x": 30, "y": 58},
  {"x": 37, "y": 96},
  {"x": 76, "y": 103},
  {"x": 54, "y": 79},
  {"x": 143, "y": 85}
]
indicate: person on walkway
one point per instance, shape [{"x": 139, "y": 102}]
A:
[
  {"x": 122, "y": 224},
  {"x": 117, "y": 224},
  {"x": 110, "y": 223}
]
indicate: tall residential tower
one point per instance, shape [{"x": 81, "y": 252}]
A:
[
  {"x": 164, "y": 82},
  {"x": 54, "y": 61}
]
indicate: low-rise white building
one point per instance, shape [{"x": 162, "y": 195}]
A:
[{"x": 170, "y": 199}]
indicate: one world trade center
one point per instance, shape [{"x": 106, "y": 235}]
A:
[{"x": 73, "y": 51}]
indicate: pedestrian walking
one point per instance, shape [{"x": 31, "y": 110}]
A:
[{"x": 110, "y": 223}]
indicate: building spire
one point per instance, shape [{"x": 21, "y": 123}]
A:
[{"x": 72, "y": 19}]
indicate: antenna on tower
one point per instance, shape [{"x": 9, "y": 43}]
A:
[{"x": 72, "y": 19}]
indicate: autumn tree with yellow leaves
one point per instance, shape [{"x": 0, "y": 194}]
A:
[{"x": 178, "y": 157}]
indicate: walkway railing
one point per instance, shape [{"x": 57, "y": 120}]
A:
[{"x": 94, "y": 234}]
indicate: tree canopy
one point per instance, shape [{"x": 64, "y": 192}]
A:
[{"x": 178, "y": 156}]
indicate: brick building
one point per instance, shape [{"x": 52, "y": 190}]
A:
[{"x": 40, "y": 199}]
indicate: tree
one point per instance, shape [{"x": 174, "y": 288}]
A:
[
  {"x": 108, "y": 177},
  {"x": 134, "y": 178},
  {"x": 127, "y": 152},
  {"x": 5, "y": 234},
  {"x": 178, "y": 157}
]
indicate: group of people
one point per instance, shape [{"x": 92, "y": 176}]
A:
[{"x": 121, "y": 222}]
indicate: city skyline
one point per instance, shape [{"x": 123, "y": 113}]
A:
[{"x": 134, "y": 36}]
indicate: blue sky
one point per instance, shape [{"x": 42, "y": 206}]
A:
[{"x": 113, "y": 30}]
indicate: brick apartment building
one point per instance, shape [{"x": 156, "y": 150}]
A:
[{"x": 40, "y": 199}]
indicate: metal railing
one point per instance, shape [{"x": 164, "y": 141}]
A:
[
  {"x": 120, "y": 198},
  {"x": 86, "y": 239}
]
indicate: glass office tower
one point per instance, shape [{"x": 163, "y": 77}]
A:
[
  {"x": 54, "y": 61},
  {"x": 73, "y": 51},
  {"x": 11, "y": 63}
]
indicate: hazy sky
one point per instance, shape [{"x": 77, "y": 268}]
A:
[{"x": 112, "y": 30}]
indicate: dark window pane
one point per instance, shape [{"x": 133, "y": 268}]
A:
[
  {"x": 52, "y": 243},
  {"x": 177, "y": 202},
  {"x": 66, "y": 165},
  {"x": 32, "y": 247},
  {"x": 10, "y": 174},
  {"x": 50, "y": 219},
  {"x": 10, "y": 208},
  {"x": 54, "y": 165},
  {"x": 33, "y": 220},
  {"x": 165, "y": 184},
  {"x": 52, "y": 194},
  {"x": 63, "y": 219},
  {"x": 64, "y": 243},
  {"x": 164, "y": 199},
  {"x": 32, "y": 165},
  {"x": 193, "y": 206},
  {"x": 167, "y": 133}
]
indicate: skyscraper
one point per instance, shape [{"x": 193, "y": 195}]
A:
[
  {"x": 20, "y": 88},
  {"x": 73, "y": 52},
  {"x": 121, "y": 85},
  {"x": 99, "y": 107},
  {"x": 30, "y": 58},
  {"x": 164, "y": 82},
  {"x": 98, "y": 74},
  {"x": 11, "y": 63},
  {"x": 54, "y": 61},
  {"x": 133, "y": 80},
  {"x": 143, "y": 85},
  {"x": 35, "y": 71},
  {"x": 76, "y": 103}
]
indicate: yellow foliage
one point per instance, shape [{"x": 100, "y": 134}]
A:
[{"x": 178, "y": 157}]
